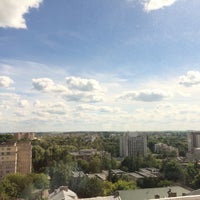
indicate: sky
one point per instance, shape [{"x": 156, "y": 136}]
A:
[{"x": 99, "y": 65}]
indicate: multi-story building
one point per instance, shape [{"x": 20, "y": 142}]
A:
[
  {"x": 15, "y": 157},
  {"x": 193, "y": 146},
  {"x": 26, "y": 136},
  {"x": 132, "y": 144},
  {"x": 24, "y": 157},
  {"x": 161, "y": 148},
  {"x": 193, "y": 141},
  {"x": 8, "y": 159}
]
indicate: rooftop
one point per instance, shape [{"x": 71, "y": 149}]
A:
[{"x": 149, "y": 193}]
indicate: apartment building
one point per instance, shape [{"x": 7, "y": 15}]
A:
[
  {"x": 15, "y": 157},
  {"x": 8, "y": 159},
  {"x": 132, "y": 144},
  {"x": 193, "y": 141}
]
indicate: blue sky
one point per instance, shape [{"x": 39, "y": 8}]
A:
[{"x": 122, "y": 65}]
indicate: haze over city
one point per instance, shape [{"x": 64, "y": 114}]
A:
[{"x": 94, "y": 65}]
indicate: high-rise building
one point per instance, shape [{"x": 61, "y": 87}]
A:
[
  {"x": 24, "y": 157},
  {"x": 193, "y": 141},
  {"x": 133, "y": 144},
  {"x": 15, "y": 157},
  {"x": 8, "y": 159}
]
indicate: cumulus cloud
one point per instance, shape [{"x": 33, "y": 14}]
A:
[
  {"x": 76, "y": 89},
  {"x": 5, "y": 81},
  {"x": 145, "y": 95},
  {"x": 157, "y": 4},
  {"x": 89, "y": 97},
  {"x": 12, "y": 12},
  {"x": 81, "y": 84},
  {"x": 47, "y": 85},
  {"x": 102, "y": 109},
  {"x": 191, "y": 78},
  {"x": 55, "y": 108},
  {"x": 23, "y": 103}
]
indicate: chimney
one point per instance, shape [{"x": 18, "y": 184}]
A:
[{"x": 171, "y": 194}]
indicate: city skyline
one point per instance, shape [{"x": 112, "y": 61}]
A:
[{"x": 95, "y": 65}]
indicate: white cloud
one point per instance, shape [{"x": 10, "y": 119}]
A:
[
  {"x": 5, "y": 81},
  {"x": 145, "y": 95},
  {"x": 23, "y": 103},
  {"x": 12, "y": 12},
  {"x": 157, "y": 4},
  {"x": 55, "y": 108},
  {"x": 47, "y": 85},
  {"x": 191, "y": 78},
  {"x": 102, "y": 109},
  {"x": 91, "y": 97},
  {"x": 43, "y": 84},
  {"x": 77, "y": 89},
  {"x": 81, "y": 84}
]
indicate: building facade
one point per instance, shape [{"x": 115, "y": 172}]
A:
[
  {"x": 8, "y": 159},
  {"x": 193, "y": 141},
  {"x": 15, "y": 157},
  {"x": 133, "y": 144}
]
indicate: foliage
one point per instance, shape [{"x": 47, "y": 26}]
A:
[
  {"x": 60, "y": 174},
  {"x": 22, "y": 186},
  {"x": 124, "y": 185},
  {"x": 111, "y": 144},
  {"x": 172, "y": 170},
  {"x": 133, "y": 164},
  {"x": 89, "y": 187},
  {"x": 6, "y": 137},
  {"x": 178, "y": 140}
]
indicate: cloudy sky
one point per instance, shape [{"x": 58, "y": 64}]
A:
[{"x": 122, "y": 65}]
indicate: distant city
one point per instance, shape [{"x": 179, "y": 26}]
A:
[{"x": 121, "y": 165}]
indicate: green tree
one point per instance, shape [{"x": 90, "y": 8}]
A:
[
  {"x": 40, "y": 181},
  {"x": 124, "y": 185},
  {"x": 95, "y": 165},
  {"x": 90, "y": 187},
  {"x": 83, "y": 165},
  {"x": 172, "y": 170},
  {"x": 17, "y": 185},
  {"x": 60, "y": 174}
]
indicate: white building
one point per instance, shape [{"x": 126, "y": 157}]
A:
[
  {"x": 62, "y": 193},
  {"x": 132, "y": 144}
]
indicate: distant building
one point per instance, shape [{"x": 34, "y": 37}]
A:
[
  {"x": 132, "y": 144},
  {"x": 193, "y": 146},
  {"x": 27, "y": 136},
  {"x": 8, "y": 159},
  {"x": 86, "y": 154},
  {"x": 161, "y": 147},
  {"x": 193, "y": 141},
  {"x": 15, "y": 157},
  {"x": 24, "y": 157}
]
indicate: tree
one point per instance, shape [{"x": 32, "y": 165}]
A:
[
  {"x": 60, "y": 175},
  {"x": 196, "y": 181},
  {"x": 3, "y": 195},
  {"x": 38, "y": 158},
  {"x": 40, "y": 181},
  {"x": 124, "y": 185},
  {"x": 90, "y": 187},
  {"x": 17, "y": 185},
  {"x": 95, "y": 165},
  {"x": 83, "y": 165},
  {"x": 172, "y": 170}
]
